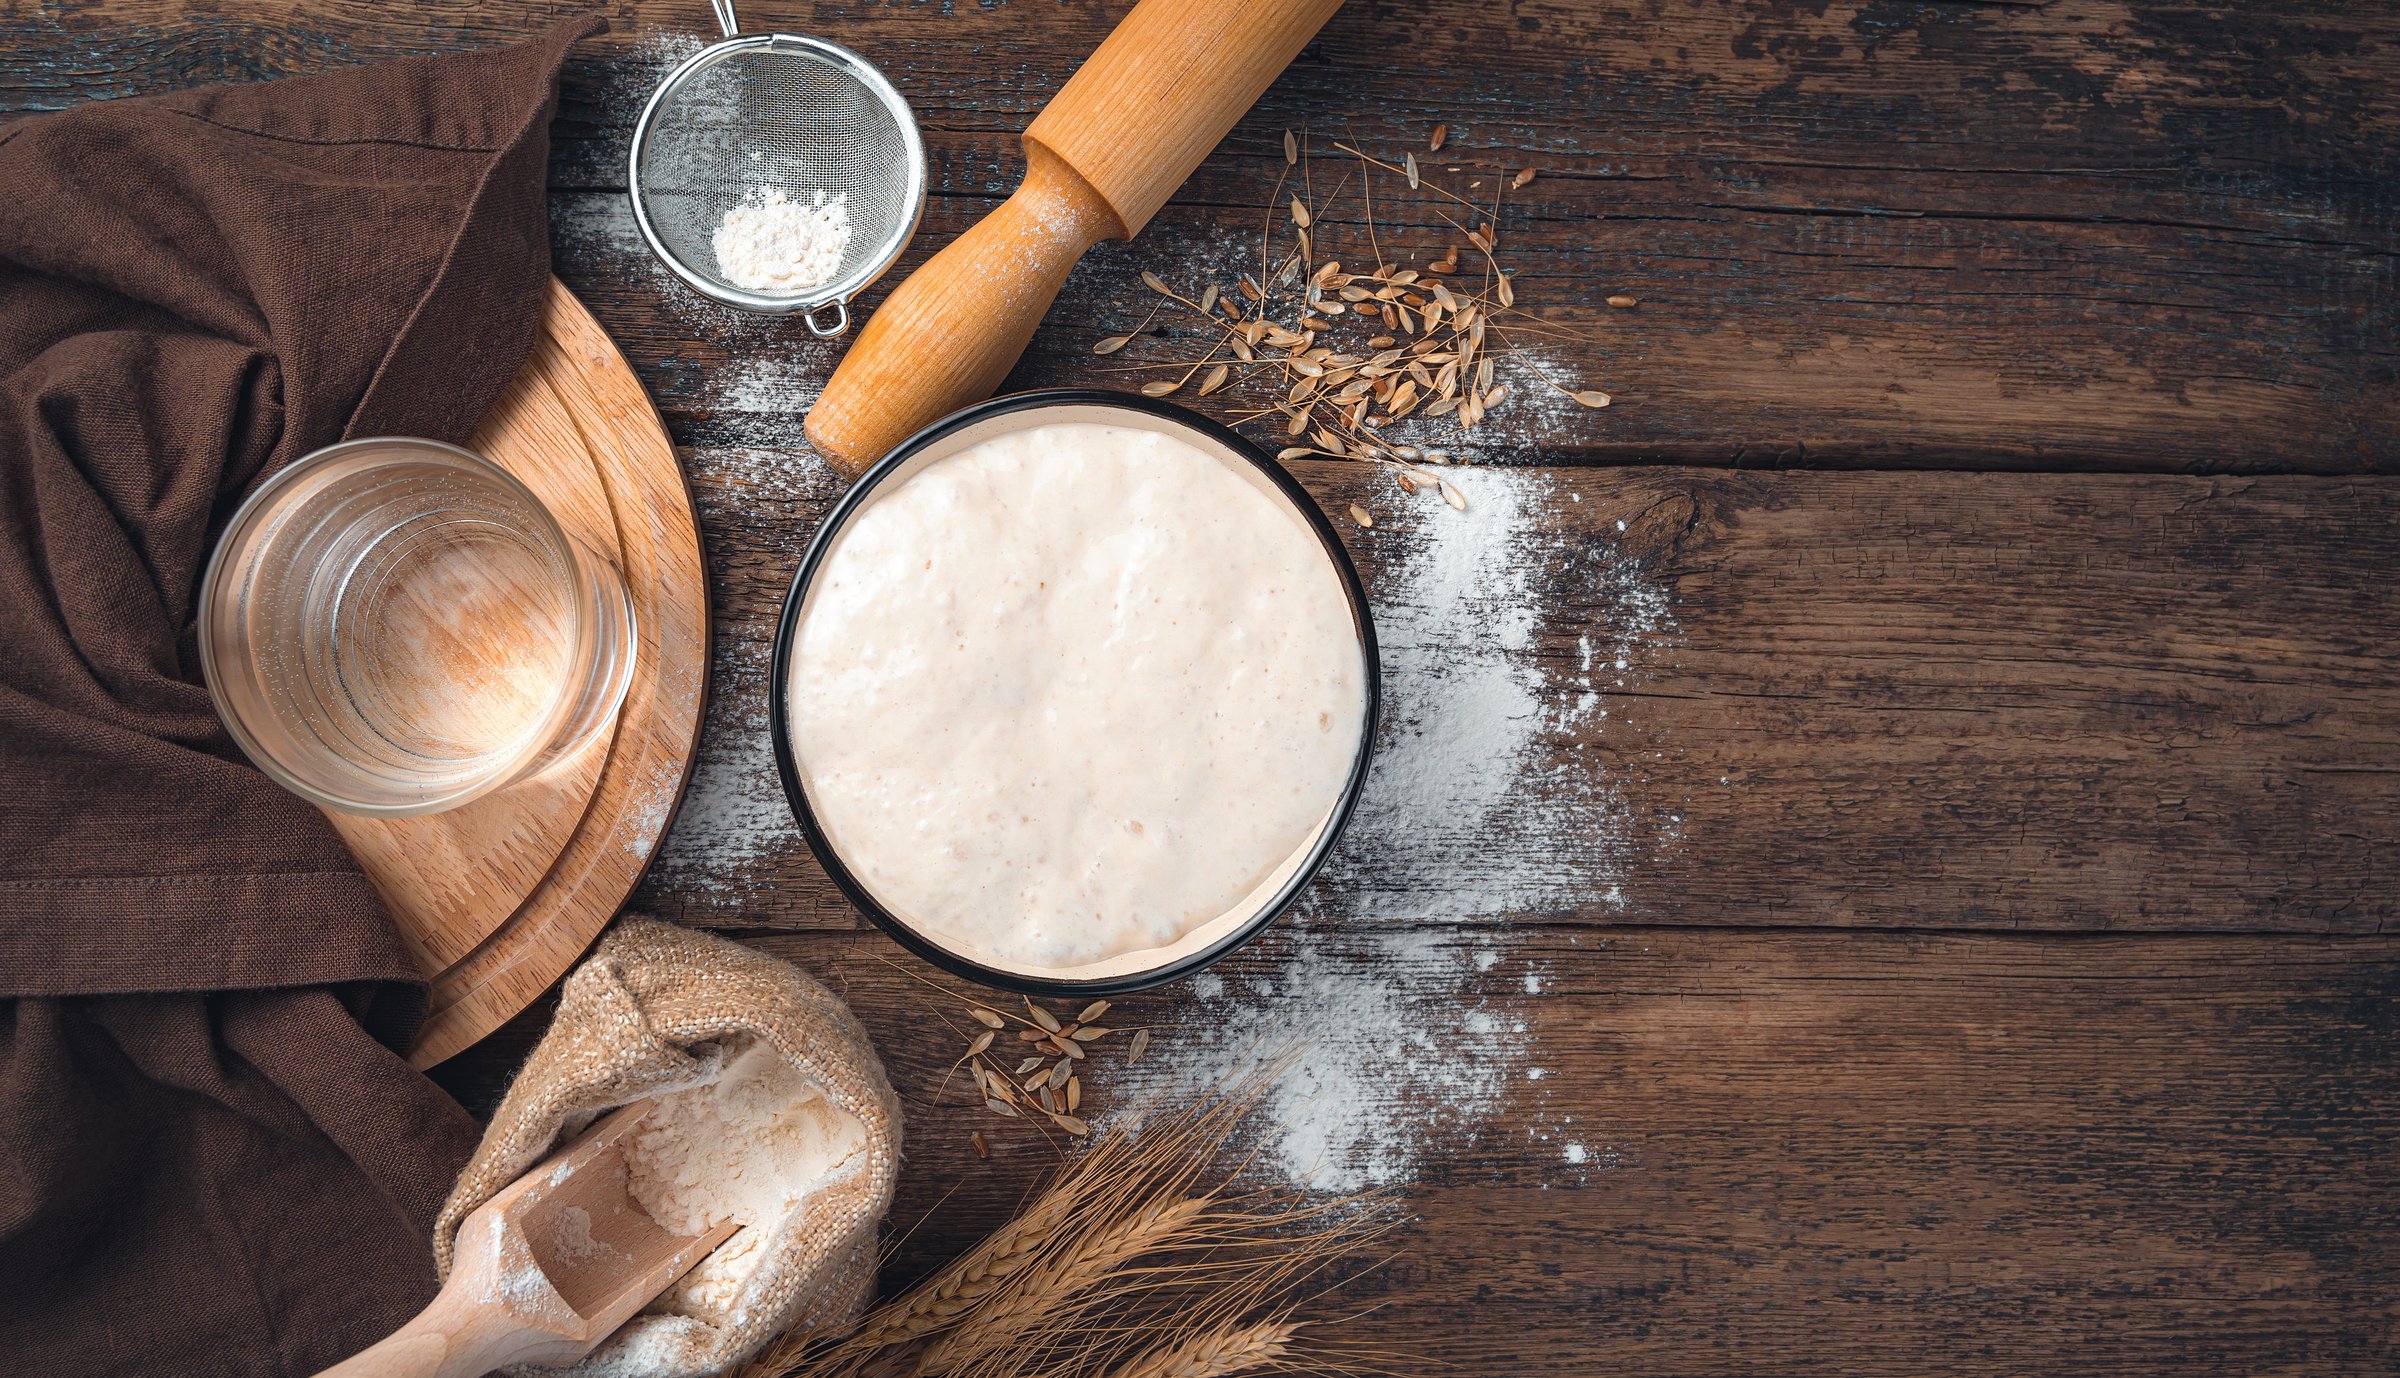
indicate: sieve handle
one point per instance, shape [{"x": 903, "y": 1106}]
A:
[
  {"x": 725, "y": 18},
  {"x": 840, "y": 323}
]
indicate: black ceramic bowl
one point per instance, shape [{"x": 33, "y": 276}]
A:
[{"x": 992, "y": 418}]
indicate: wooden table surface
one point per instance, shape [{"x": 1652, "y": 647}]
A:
[{"x": 1885, "y": 837}]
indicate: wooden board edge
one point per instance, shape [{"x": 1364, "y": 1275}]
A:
[{"x": 549, "y": 932}]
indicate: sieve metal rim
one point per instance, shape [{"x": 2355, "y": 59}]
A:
[{"x": 837, "y": 292}]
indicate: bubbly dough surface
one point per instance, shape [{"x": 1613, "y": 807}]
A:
[{"x": 1074, "y": 692}]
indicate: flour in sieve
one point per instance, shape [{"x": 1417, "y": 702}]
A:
[
  {"x": 747, "y": 1147},
  {"x": 773, "y": 243}
]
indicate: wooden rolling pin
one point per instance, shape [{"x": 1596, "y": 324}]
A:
[{"x": 1100, "y": 160}]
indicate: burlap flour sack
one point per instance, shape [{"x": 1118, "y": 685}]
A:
[{"x": 649, "y": 1013}]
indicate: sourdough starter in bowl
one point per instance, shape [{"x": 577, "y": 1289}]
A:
[{"x": 1078, "y": 697}]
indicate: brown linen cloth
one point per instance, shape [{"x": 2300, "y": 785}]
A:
[{"x": 211, "y": 1159}]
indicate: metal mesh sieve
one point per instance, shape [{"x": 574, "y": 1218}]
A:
[{"x": 798, "y": 115}]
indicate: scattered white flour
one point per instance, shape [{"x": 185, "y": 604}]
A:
[
  {"x": 659, "y": 50},
  {"x": 1487, "y": 757},
  {"x": 772, "y": 243},
  {"x": 573, "y": 1238},
  {"x": 771, "y": 389},
  {"x": 746, "y": 1147},
  {"x": 1496, "y": 752},
  {"x": 734, "y": 834},
  {"x": 749, "y": 380},
  {"x": 512, "y": 1277},
  {"x": 1381, "y": 1072}
]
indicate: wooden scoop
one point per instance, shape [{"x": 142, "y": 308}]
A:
[
  {"x": 545, "y": 1270},
  {"x": 1100, "y": 160}
]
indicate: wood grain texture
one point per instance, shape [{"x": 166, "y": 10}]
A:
[
  {"x": 657, "y": 541},
  {"x": 1985, "y": 701},
  {"x": 2067, "y": 237},
  {"x": 1164, "y": 88},
  {"x": 520, "y": 1293},
  {"x": 452, "y": 878},
  {"x": 2132, "y": 233},
  {"x": 1852, "y": 1153}
]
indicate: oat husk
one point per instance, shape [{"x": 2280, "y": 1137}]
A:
[
  {"x": 1342, "y": 357},
  {"x": 652, "y": 1011}
]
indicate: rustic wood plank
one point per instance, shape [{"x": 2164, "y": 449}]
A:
[
  {"x": 1850, "y": 1153},
  {"x": 1891, "y": 700},
  {"x": 2085, "y": 233}
]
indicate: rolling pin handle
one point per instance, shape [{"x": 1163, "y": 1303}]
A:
[
  {"x": 1100, "y": 159},
  {"x": 951, "y": 332}
]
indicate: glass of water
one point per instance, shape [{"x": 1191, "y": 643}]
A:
[{"x": 396, "y": 626}]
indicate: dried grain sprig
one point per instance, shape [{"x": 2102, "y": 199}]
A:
[
  {"x": 1131, "y": 1251},
  {"x": 1234, "y": 1349},
  {"x": 1010, "y": 1094},
  {"x": 1063, "y": 1275},
  {"x": 937, "y": 1303},
  {"x": 1270, "y": 1246},
  {"x": 1373, "y": 161},
  {"x": 1211, "y": 1248},
  {"x": 1326, "y": 395}
]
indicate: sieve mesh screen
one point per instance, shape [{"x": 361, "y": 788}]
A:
[{"x": 759, "y": 117}]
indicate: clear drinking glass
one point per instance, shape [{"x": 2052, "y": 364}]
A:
[{"x": 396, "y": 626}]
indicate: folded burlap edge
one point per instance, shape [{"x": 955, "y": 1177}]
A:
[{"x": 627, "y": 1024}]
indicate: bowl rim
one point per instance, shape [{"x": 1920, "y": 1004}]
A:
[{"x": 822, "y": 845}]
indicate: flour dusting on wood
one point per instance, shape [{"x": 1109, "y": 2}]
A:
[
  {"x": 735, "y": 829},
  {"x": 1498, "y": 796},
  {"x": 1378, "y": 1077},
  {"x": 751, "y": 378},
  {"x": 1496, "y": 793}
]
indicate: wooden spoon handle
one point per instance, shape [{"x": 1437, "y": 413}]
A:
[
  {"x": 452, "y": 1338},
  {"x": 950, "y": 334}
]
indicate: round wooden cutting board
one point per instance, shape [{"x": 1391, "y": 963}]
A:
[{"x": 497, "y": 899}]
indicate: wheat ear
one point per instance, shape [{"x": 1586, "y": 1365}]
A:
[
  {"x": 1225, "y": 1349},
  {"x": 938, "y": 1303},
  {"x": 1000, "y": 1257},
  {"x": 1045, "y": 1288}
]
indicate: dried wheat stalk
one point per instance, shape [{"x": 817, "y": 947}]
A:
[
  {"x": 1228, "y": 1349},
  {"x": 1130, "y": 1263},
  {"x": 957, "y": 1288},
  {"x": 1064, "y": 1280}
]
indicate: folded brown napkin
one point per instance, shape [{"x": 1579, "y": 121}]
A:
[{"x": 212, "y": 1161}]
